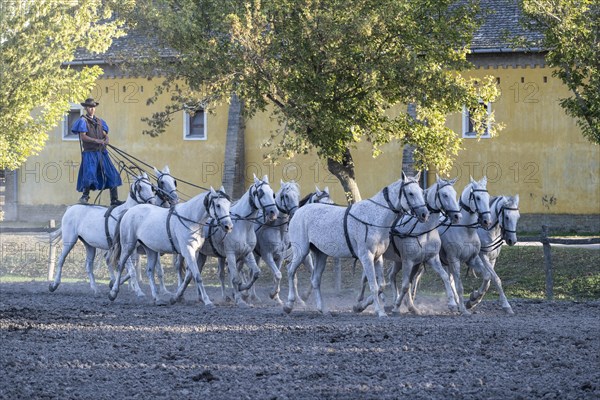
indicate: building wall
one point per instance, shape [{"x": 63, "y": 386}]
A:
[{"x": 540, "y": 155}]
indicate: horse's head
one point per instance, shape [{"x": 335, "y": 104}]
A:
[
  {"x": 262, "y": 197},
  {"x": 142, "y": 190},
  {"x": 476, "y": 199},
  {"x": 167, "y": 186},
  {"x": 217, "y": 204},
  {"x": 319, "y": 196},
  {"x": 410, "y": 196},
  {"x": 288, "y": 197},
  {"x": 441, "y": 197},
  {"x": 508, "y": 219}
]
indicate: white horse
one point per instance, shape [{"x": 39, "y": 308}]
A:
[
  {"x": 237, "y": 246},
  {"x": 360, "y": 230},
  {"x": 505, "y": 216},
  {"x": 167, "y": 196},
  {"x": 272, "y": 237},
  {"x": 95, "y": 227},
  {"x": 460, "y": 242},
  {"x": 416, "y": 243},
  {"x": 174, "y": 230}
]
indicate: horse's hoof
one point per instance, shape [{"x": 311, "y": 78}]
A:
[
  {"x": 396, "y": 311},
  {"x": 287, "y": 308},
  {"x": 161, "y": 302},
  {"x": 414, "y": 311},
  {"x": 508, "y": 310},
  {"x": 173, "y": 300},
  {"x": 111, "y": 284},
  {"x": 357, "y": 308},
  {"x": 112, "y": 295},
  {"x": 465, "y": 312},
  {"x": 469, "y": 305},
  {"x": 210, "y": 305},
  {"x": 52, "y": 287},
  {"x": 242, "y": 304},
  {"x": 382, "y": 314},
  {"x": 453, "y": 308}
]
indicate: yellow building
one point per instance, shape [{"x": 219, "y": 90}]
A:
[{"x": 541, "y": 154}]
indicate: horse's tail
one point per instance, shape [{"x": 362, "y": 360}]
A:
[
  {"x": 115, "y": 250},
  {"x": 55, "y": 236}
]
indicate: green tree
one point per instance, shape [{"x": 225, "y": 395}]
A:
[
  {"x": 36, "y": 38},
  {"x": 331, "y": 71},
  {"x": 571, "y": 30}
]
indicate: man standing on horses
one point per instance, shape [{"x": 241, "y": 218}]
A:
[{"x": 96, "y": 171}]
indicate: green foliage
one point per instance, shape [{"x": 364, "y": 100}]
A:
[
  {"x": 571, "y": 31},
  {"x": 36, "y": 38},
  {"x": 330, "y": 70}
]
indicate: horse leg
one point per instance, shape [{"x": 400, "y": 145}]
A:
[
  {"x": 454, "y": 267},
  {"x": 317, "y": 275},
  {"x": 90, "y": 255},
  {"x": 498, "y": 283},
  {"x": 415, "y": 278},
  {"x": 179, "y": 266},
  {"x": 235, "y": 279},
  {"x": 363, "y": 288},
  {"x": 270, "y": 261},
  {"x": 396, "y": 267},
  {"x": 300, "y": 251},
  {"x": 185, "y": 281},
  {"x": 221, "y": 264},
  {"x": 380, "y": 278},
  {"x": 308, "y": 263},
  {"x": 200, "y": 262},
  {"x": 451, "y": 294},
  {"x": 152, "y": 259},
  {"x": 161, "y": 278},
  {"x": 67, "y": 247},
  {"x": 189, "y": 254},
  {"x": 127, "y": 250},
  {"x": 367, "y": 261}
]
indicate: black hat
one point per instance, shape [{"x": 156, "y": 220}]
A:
[{"x": 89, "y": 102}]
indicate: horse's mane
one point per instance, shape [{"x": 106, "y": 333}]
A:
[{"x": 305, "y": 199}]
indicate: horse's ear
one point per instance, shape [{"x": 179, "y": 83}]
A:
[
  {"x": 418, "y": 176},
  {"x": 144, "y": 175},
  {"x": 281, "y": 182},
  {"x": 255, "y": 178},
  {"x": 156, "y": 171},
  {"x": 516, "y": 197},
  {"x": 326, "y": 190},
  {"x": 403, "y": 176},
  {"x": 437, "y": 177},
  {"x": 265, "y": 179},
  {"x": 212, "y": 190},
  {"x": 483, "y": 181},
  {"x": 453, "y": 181},
  {"x": 166, "y": 169},
  {"x": 317, "y": 189},
  {"x": 222, "y": 189},
  {"x": 471, "y": 179}
]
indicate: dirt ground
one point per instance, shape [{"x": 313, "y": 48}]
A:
[{"x": 72, "y": 345}]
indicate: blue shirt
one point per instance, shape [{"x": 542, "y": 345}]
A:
[{"x": 81, "y": 126}]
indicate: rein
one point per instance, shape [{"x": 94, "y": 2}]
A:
[
  {"x": 208, "y": 203},
  {"x": 499, "y": 241}
]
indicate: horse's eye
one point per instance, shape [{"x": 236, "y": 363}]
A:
[
  {"x": 175, "y": 183},
  {"x": 273, "y": 195}
]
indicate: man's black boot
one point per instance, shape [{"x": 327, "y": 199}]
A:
[
  {"x": 85, "y": 197},
  {"x": 114, "y": 197}
]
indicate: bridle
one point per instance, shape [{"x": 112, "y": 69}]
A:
[
  {"x": 211, "y": 207},
  {"x": 468, "y": 209},
  {"x": 164, "y": 195},
  {"x": 402, "y": 192},
  {"x": 285, "y": 208},
  {"x": 135, "y": 191},
  {"x": 257, "y": 192},
  {"x": 442, "y": 210}
]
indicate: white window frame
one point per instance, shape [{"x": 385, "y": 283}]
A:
[
  {"x": 186, "y": 126},
  {"x": 67, "y": 135},
  {"x": 466, "y": 116}
]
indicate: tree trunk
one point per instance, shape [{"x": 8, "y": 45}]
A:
[{"x": 344, "y": 171}]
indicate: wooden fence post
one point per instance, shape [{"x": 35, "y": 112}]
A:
[{"x": 547, "y": 263}]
